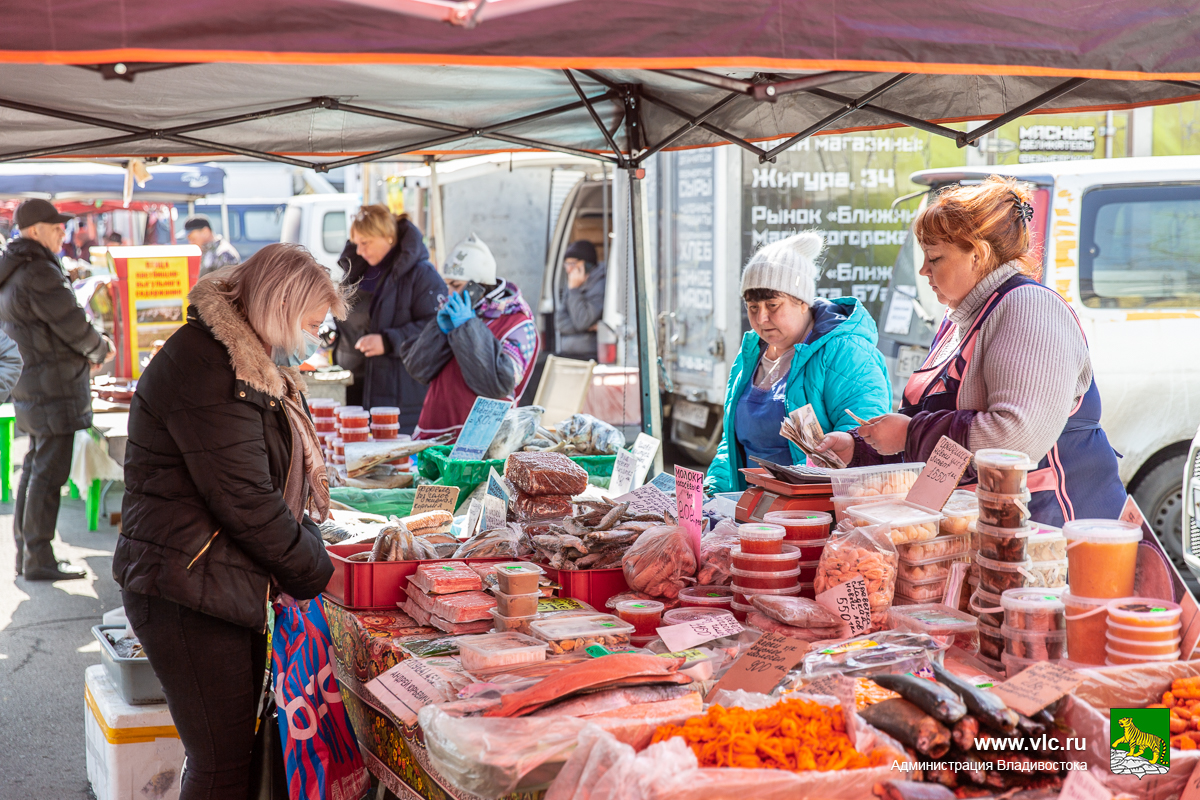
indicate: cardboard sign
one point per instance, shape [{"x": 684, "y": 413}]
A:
[
  {"x": 435, "y": 498},
  {"x": 474, "y": 515},
  {"x": 479, "y": 429},
  {"x": 407, "y": 688},
  {"x": 943, "y": 470},
  {"x": 851, "y": 602},
  {"x": 689, "y": 634},
  {"x": 648, "y": 500},
  {"x": 764, "y": 665},
  {"x": 1037, "y": 686},
  {"x": 644, "y": 448},
  {"x": 624, "y": 470},
  {"x": 1080, "y": 785},
  {"x": 689, "y": 499},
  {"x": 495, "y": 501}
]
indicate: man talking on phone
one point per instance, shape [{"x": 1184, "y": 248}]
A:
[{"x": 482, "y": 343}]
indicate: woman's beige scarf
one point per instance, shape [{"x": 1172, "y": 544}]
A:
[{"x": 307, "y": 485}]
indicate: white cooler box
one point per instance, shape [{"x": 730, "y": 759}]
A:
[{"x": 133, "y": 752}]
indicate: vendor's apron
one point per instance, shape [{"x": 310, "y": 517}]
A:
[{"x": 1078, "y": 478}]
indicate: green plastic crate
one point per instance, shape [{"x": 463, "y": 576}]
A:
[
  {"x": 385, "y": 502},
  {"x": 434, "y": 464}
]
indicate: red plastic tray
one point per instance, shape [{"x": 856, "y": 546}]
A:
[
  {"x": 375, "y": 585},
  {"x": 592, "y": 586}
]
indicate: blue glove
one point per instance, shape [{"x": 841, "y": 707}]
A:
[
  {"x": 459, "y": 310},
  {"x": 443, "y": 317}
]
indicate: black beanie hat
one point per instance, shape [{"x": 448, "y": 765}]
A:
[{"x": 584, "y": 250}]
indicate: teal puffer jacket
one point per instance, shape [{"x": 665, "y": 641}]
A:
[{"x": 837, "y": 368}]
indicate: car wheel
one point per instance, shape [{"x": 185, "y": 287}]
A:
[{"x": 1160, "y": 496}]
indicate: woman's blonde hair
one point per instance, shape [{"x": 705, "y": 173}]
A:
[
  {"x": 275, "y": 288},
  {"x": 986, "y": 218},
  {"x": 374, "y": 220}
]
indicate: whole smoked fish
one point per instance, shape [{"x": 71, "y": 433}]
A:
[{"x": 910, "y": 725}]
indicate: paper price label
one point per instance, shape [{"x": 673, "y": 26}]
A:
[
  {"x": 559, "y": 604},
  {"x": 851, "y": 602},
  {"x": 479, "y": 429},
  {"x": 644, "y": 448},
  {"x": 474, "y": 514},
  {"x": 664, "y": 482},
  {"x": 764, "y": 665},
  {"x": 407, "y": 688},
  {"x": 1037, "y": 686},
  {"x": 689, "y": 634},
  {"x": 689, "y": 499},
  {"x": 435, "y": 498},
  {"x": 943, "y": 470},
  {"x": 648, "y": 500},
  {"x": 495, "y": 501},
  {"x": 624, "y": 469}
]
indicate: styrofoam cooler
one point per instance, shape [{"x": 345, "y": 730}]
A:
[{"x": 133, "y": 752}]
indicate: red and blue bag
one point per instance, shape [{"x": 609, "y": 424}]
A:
[{"x": 320, "y": 750}]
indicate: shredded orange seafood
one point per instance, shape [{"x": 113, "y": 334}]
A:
[{"x": 793, "y": 734}]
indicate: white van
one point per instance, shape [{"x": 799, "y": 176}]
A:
[
  {"x": 1121, "y": 243},
  {"x": 320, "y": 222}
]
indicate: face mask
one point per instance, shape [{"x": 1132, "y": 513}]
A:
[{"x": 311, "y": 344}]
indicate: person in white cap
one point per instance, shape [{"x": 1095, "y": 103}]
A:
[
  {"x": 483, "y": 342},
  {"x": 802, "y": 350}
]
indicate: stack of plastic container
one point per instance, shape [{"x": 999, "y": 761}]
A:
[
  {"x": 808, "y": 530},
  {"x": 355, "y": 426},
  {"x": 718, "y": 597},
  {"x": 1102, "y": 559},
  {"x": 762, "y": 564},
  {"x": 323, "y": 411},
  {"x": 518, "y": 595},
  {"x": 1142, "y": 629},
  {"x": 385, "y": 422},
  {"x": 1000, "y": 534},
  {"x": 1034, "y": 628},
  {"x": 925, "y": 556},
  {"x": 861, "y": 485}
]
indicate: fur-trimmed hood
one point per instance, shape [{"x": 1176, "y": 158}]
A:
[{"x": 247, "y": 356}]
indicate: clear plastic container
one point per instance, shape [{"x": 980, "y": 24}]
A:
[
  {"x": 1114, "y": 657},
  {"x": 385, "y": 415},
  {"x": 842, "y": 505},
  {"x": 445, "y": 577},
  {"x": 808, "y": 570},
  {"x": 518, "y": 605},
  {"x": 574, "y": 634},
  {"x": 518, "y": 577},
  {"x": 1046, "y": 543},
  {"x": 808, "y": 589},
  {"x": 323, "y": 407},
  {"x": 324, "y": 424},
  {"x": 644, "y": 615},
  {"x": 1048, "y": 574},
  {"x": 385, "y": 433},
  {"x": 350, "y": 435},
  {"x": 959, "y": 512},
  {"x": 515, "y": 624},
  {"x": 742, "y": 594},
  {"x": 1135, "y": 648},
  {"x": 938, "y": 567},
  {"x": 930, "y": 590},
  {"x": 872, "y": 481},
  {"x": 938, "y": 547},
  {"x": 1144, "y": 612},
  {"x": 1003, "y": 510},
  {"x": 339, "y": 446},
  {"x": 765, "y": 580},
  {"x": 341, "y": 411},
  {"x": 355, "y": 419},
  {"x": 1040, "y": 645},
  {"x": 1087, "y": 627},
  {"x": 753, "y": 562},
  {"x": 1033, "y": 610},
  {"x": 706, "y": 596},
  {"x": 678, "y": 616},
  {"x": 1002, "y": 544},
  {"x": 801, "y": 524},
  {"x": 811, "y": 549},
  {"x": 1015, "y": 665},
  {"x": 908, "y": 522},
  {"x": 994, "y": 665},
  {"x": 946, "y": 624},
  {"x": 1102, "y": 554},
  {"x": 492, "y": 650},
  {"x": 991, "y": 641},
  {"x": 1143, "y": 634},
  {"x": 986, "y": 605},
  {"x": 998, "y": 577},
  {"x": 742, "y": 610},
  {"x": 761, "y": 539},
  {"x": 1002, "y": 471}
]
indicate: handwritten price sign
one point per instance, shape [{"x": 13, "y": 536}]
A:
[
  {"x": 689, "y": 498},
  {"x": 851, "y": 602},
  {"x": 764, "y": 665},
  {"x": 1038, "y": 686},
  {"x": 690, "y": 634},
  {"x": 943, "y": 470}
]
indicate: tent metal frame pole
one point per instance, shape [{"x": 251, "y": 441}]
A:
[
  {"x": 845, "y": 110},
  {"x": 896, "y": 116},
  {"x": 723, "y": 134},
  {"x": 689, "y": 125},
  {"x": 762, "y": 90},
  {"x": 596, "y": 118},
  {"x": 971, "y": 137}
]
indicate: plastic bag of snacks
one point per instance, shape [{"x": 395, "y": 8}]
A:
[
  {"x": 865, "y": 551},
  {"x": 660, "y": 562},
  {"x": 714, "y": 553}
]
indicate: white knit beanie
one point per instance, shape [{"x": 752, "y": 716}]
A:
[
  {"x": 472, "y": 260},
  {"x": 788, "y": 266}
]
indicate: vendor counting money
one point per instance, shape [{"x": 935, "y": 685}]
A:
[
  {"x": 1009, "y": 366},
  {"x": 802, "y": 350}
]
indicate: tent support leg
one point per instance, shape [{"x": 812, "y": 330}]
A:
[{"x": 648, "y": 358}]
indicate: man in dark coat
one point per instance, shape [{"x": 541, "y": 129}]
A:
[
  {"x": 53, "y": 397},
  {"x": 581, "y": 303}
]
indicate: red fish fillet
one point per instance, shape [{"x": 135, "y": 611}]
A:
[{"x": 591, "y": 674}]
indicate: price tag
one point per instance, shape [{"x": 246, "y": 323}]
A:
[
  {"x": 689, "y": 634},
  {"x": 1080, "y": 785},
  {"x": 689, "y": 499},
  {"x": 644, "y": 448},
  {"x": 624, "y": 469},
  {"x": 407, "y": 688},
  {"x": 1037, "y": 686},
  {"x": 943, "y": 470},
  {"x": 597, "y": 650},
  {"x": 664, "y": 482},
  {"x": 495, "y": 501},
  {"x": 479, "y": 429},
  {"x": 435, "y": 498},
  {"x": 559, "y": 604},
  {"x": 693, "y": 654},
  {"x": 764, "y": 665},
  {"x": 474, "y": 515},
  {"x": 648, "y": 500},
  {"x": 851, "y": 602}
]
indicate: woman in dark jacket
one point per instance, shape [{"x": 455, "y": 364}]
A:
[
  {"x": 396, "y": 293},
  {"x": 222, "y": 470}
]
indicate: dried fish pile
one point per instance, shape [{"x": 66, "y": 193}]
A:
[
  {"x": 596, "y": 539},
  {"x": 397, "y": 543}
]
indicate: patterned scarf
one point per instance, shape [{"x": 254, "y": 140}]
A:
[{"x": 307, "y": 485}]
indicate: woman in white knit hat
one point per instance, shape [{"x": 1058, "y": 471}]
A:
[{"x": 802, "y": 349}]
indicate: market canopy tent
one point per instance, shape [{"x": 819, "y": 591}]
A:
[{"x": 325, "y": 83}]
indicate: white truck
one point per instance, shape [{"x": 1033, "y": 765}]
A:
[{"x": 1120, "y": 242}]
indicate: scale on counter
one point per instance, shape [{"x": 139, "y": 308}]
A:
[{"x": 769, "y": 492}]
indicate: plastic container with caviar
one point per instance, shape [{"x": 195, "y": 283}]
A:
[
  {"x": 1087, "y": 628},
  {"x": 801, "y": 524},
  {"x": 761, "y": 539}
]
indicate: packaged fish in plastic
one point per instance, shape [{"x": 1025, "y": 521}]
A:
[
  {"x": 446, "y": 577},
  {"x": 590, "y": 436}
]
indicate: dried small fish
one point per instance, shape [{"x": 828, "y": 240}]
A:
[{"x": 612, "y": 517}]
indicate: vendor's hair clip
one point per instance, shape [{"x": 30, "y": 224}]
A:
[{"x": 1023, "y": 208}]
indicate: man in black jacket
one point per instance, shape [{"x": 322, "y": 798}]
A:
[{"x": 53, "y": 397}]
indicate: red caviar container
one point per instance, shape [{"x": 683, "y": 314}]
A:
[
  {"x": 759, "y": 539},
  {"x": 801, "y": 524},
  {"x": 756, "y": 562},
  {"x": 644, "y": 615}
]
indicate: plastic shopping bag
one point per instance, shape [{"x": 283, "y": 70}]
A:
[{"x": 319, "y": 748}]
